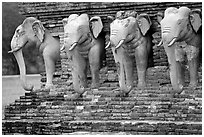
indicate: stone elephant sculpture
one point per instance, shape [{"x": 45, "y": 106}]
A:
[
  {"x": 130, "y": 39},
  {"x": 32, "y": 30},
  {"x": 83, "y": 43},
  {"x": 182, "y": 25}
]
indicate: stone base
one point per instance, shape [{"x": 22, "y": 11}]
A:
[{"x": 154, "y": 110}]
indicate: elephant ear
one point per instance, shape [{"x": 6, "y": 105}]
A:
[
  {"x": 195, "y": 19},
  {"x": 39, "y": 30},
  {"x": 144, "y": 23},
  {"x": 160, "y": 16},
  {"x": 110, "y": 19},
  {"x": 65, "y": 21},
  {"x": 96, "y": 25}
]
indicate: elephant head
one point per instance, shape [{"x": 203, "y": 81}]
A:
[
  {"x": 79, "y": 29},
  {"x": 179, "y": 25},
  {"x": 31, "y": 30},
  {"x": 125, "y": 25}
]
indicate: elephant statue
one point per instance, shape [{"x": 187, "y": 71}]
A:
[
  {"x": 129, "y": 40},
  {"x": 182, "y": 25},
  {"x": 32, "y": 30},
  {"x": 84, "y": 45}
]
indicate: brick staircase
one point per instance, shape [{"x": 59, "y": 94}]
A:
[{"x": 154, "y": 110}]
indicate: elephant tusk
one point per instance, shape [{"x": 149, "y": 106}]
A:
[
  {"x": 160, "y": 43},
  {"x": 14, "y": 50},
  {"x": 11, "y": 51},
  {"x": 172, "y": 42},
  {"x": 62, "y": 48},
  {"x": 109, "y": 43},
  {"x": 119, "y": 44},
  {"x": 73, "y": 46}
]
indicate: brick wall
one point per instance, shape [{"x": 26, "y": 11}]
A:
[{"x": 52, "y": 13}]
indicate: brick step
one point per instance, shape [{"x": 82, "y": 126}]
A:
[
  {"x": 151, "y": 104},
  {"x": 101, "y": 127}
]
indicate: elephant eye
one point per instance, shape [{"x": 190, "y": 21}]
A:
[
  {"x": 21, "y": 33},
  {"x": 18, "y": 32},
  {"x": 66, "y": 35},
  {"x": 127, "y": 23},
  {"x": 179, "y": 22},
  {"x": 34, "y": 29},
  {"x": 79, "y": 29},
  {"x": 139, "y": 23}
]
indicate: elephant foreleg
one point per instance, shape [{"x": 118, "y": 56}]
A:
[
  {"x": 192, "y": 55},
  {"x": 94, "y": 61},
  {"x": 141, "y": 57},
  {"x": 193, "y": 68},
  {"x": 49, "y": 68},
  {"x": 180, "y": 74},
  {"x": 128, "y": 72}
]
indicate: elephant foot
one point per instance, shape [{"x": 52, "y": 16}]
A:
[
  {"x": 45, "y": 90},
  {"x": 48, "y": 85},
  {"x": 141, "y": 85},
  {"x": 28, "y": 87},
  {"x": 74, "y": 96},
  {"x": 95, "y": 86},
  {"x": 124, "y": 92},
  {"x": 193, "y": 85},
  {"x": 179, "y": 89},
  {"x": 128, "y": 89},
  {"x": 80, "y": 91}
]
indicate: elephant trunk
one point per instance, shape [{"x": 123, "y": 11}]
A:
[
  {"x": 125, "y": 77},
  {"x": 78, "y": 40},
  {"x": 19, "y": 57},
  {"x": 118, "y": 35},
  {"x": 16, "y": 45},
  {"x": 169, "y": 36}
]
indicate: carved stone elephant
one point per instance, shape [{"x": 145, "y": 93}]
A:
[
  {"x": 130, "y": 39},
  {"x": 182, "y": 25},
  {"x": 32, "y": 30},
  {"x": 84, "y": 43}
]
